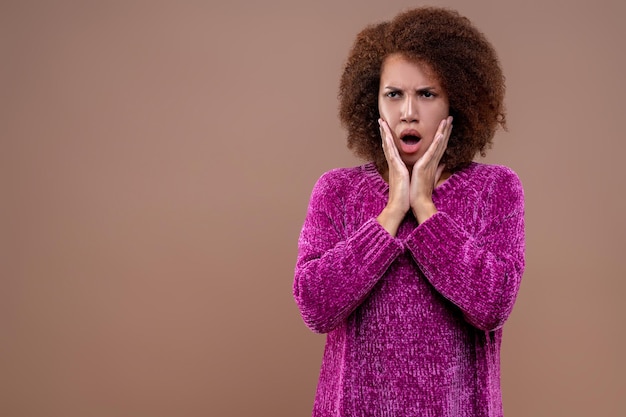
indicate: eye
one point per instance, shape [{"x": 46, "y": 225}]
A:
[
  {"x": 426, "y": 93},
  {"x": 393, "y": 94}
]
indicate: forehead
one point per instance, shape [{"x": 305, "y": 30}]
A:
[{"x": 397, "y": 68}]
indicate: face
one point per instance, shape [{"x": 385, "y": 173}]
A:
[{"x": 413, "y": 103}]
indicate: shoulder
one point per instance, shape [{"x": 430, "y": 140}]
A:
[
  {"x": 487, "y": 175},
  {"x": 340, "y": 188},
  {"x": 489, "y": 171},
  {"x": 498, "y": 184},
  {"x": 341, "y": 180}
]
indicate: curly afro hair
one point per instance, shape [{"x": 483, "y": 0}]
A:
[{"x": 461, "y": 56}]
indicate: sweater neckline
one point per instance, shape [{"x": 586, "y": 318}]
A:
[{"x": 378, "y": 183}]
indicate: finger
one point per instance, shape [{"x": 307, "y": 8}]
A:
[
  {"x": 446, "y": 137},
  {"x": 439, "y": 172},
  {"x": 391, "y": 151},
  {"x": 441, "y": 129},
  {"x": 437, "y": 146},
  {"x": 386, "y": 130},
  {"x": 448, "y": 129},
  {"x": 441, "y": 142},
  {"x": 383, "y": 137}
]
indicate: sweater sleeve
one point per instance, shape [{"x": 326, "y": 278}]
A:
[
  {"x": 335, "y": 271},
  {"x": 481, "y": 272}
]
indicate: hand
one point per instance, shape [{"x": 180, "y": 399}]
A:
[
  {"x": 427, "y": 172},
  {"x": 398, "y": 203}
]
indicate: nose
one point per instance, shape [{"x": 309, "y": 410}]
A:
[{"x": 409, "y": 110}]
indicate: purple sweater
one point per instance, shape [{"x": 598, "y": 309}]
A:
[{"x": 413, "y": 321}]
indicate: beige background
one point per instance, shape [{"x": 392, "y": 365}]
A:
[{"x": 156, "y": 161}]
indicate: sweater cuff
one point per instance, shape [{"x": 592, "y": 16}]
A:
[
  {"x": 374, "y": 246},
  {"x": 438, "y": 241}
]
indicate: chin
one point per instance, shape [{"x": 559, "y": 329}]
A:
[
  {"x": 410, "y": 163},
  {"x": 410, "y": 160}
]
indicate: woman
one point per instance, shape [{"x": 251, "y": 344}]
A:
[{"x": 412, "y": 262}]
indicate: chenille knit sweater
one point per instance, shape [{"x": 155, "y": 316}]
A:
[{"x": 413, "y": 321}]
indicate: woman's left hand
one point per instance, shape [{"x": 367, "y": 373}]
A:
[{"x": 427, "y": 172}]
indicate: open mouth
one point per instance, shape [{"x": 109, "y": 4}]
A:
[
  {"x": 410, "y": 139},
  {"x": 410, "y": 136}
]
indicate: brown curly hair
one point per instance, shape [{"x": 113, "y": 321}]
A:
[{"x": 467, "y": 67}]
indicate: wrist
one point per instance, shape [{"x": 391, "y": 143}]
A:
[
  {"x": 395, "y": 212},
  {"x": 424, "y": 211},
  {"x": 390, "y": 219}
]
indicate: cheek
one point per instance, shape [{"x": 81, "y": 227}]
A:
[
  {"x": 438, "y": 114},
  {"x": 445, "y": 110},
  {"x": 384, "y": 111}
]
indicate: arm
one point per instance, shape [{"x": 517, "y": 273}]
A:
[
  {"x": 479, "y": 273},
  {"x": 334, "y": 272}
]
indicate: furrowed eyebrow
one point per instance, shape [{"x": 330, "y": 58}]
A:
[{"x": 422, "y": 89}]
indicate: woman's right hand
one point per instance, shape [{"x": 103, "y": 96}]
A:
[{"x": 399, "y": 183}]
